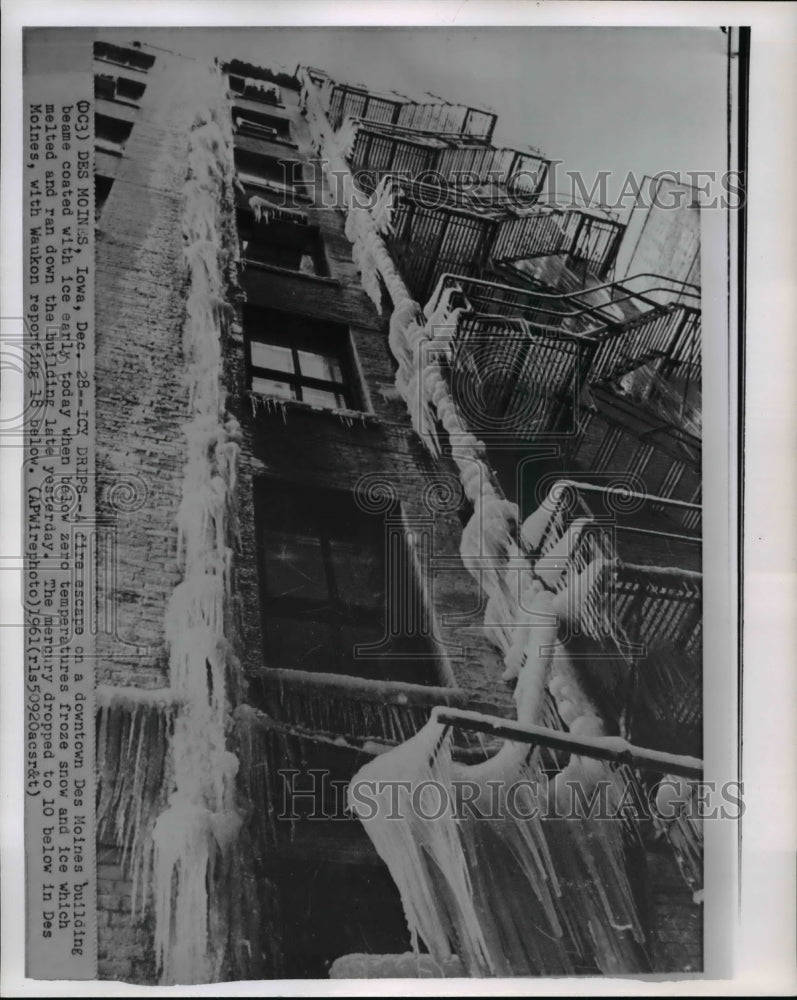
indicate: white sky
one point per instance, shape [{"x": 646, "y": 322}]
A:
[{"x": 617, "y": 99}]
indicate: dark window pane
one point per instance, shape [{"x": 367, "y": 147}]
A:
[
  {"x": 352, "y": 636},
  {"x": 294, "y": 566},
  {"x": 301, "y": 644},
  {"x": 324, "y": 589},
  {"x": 359, "y": 572}
]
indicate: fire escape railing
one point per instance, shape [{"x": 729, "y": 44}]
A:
[
  {"x": 584, "y": 237},
  {"x": 439, "y": 228},
  {"x": 576, "y": 550},
  {"x": 533, "y": 294},
  {"x": 346, "y": 101},
  {"x": 380, "y": 150},
  {"x": 510, "y": 377},
  {"x": 614, "y": 749},
  {"x": 666, "y": 335},
  {"x": 570, "y": 500},
  {"x": 669, "y": 334}
]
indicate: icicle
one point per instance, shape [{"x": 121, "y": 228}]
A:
[
  {"x": 200, "y": 821},
  {"x": 132, "y": 724},
  {"x": 382, "y": 209},
  {"x": 346, "y": 136}
]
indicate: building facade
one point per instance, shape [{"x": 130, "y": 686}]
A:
[{"x": 353, "y": 372}]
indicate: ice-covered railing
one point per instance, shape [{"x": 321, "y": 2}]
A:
[
  {"x": 676, "y": 812},
  {"x": 548, "y": 904},
  {"x": 533, "y": 304},
  {"x": 583, "y": 539},
  {"x": 196, "y": 831},
  {"x": 569, "y": 502},
  {"x": 595, "y": 307}
]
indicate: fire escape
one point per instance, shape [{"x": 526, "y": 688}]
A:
[
  {"x": 610, "y": 370},
  {"x": 459, "y": 203}
]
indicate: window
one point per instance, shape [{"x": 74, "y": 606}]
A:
[
  {"x": 118, "y": 88},
  {"x": 102, "y": 188},
  {"x": 281, "y": 237},
  {"x": 292, "y": 357},
  {"x": 256, "y": 90},
  {"x": 284, "y": 177},
  {"x": 260, "y": 126},
  {"x": 322, "y": 570},
  {"x": 111, "y": 134},
  {"x": 120, "y": 56}
]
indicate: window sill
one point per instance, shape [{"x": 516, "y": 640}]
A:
[
  {"x": 275, "y": 139},
  {"x": 276, "y": 405},
  {"x": 103, "y": 146},
  {"x": 366, "y": 689},
  {"x": 123, "y": 65},
  {"x": 240, "y": 96},
  {"x": 247, "y": 263},
  {"x": 273, "y": 189},
  {"x": 123, "y": 101}
]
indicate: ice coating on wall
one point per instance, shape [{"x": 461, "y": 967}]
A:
[
  {"x": 194, "y": 833},
  {"x": 133, "y": 731},
  {"x": 441, "y": 868}
]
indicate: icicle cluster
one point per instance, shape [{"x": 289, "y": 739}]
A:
[
  {"x": 133, "y": 726},
  {"x": 439, "y": 868},
  {"x": 195, "y": 831}
]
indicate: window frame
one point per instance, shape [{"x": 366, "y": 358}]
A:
[
  {"x": 259, "y": 95},
  {"x": 283, "y": 506},
  {"x": 319, "y": 522},
  {"x": 262, "y": 236},
  {"x": 116, "y": 97},
  {"x": 122, "y": 55},
  {"x": 311, "y": 342},
  {"x": 112, "y": 146},
  {"x": 102, "y": 191},
  {"x": 290, "y": 182},
  {"x": 283, "y": 129}
]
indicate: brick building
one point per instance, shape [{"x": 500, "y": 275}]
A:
[{"x": 274, "y": 464}]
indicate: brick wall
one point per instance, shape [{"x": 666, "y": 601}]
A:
[
  {"x": 141, "y": 406},
  {"x": 140, "y": 397},
  {"x": 125, "y": 941}
]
